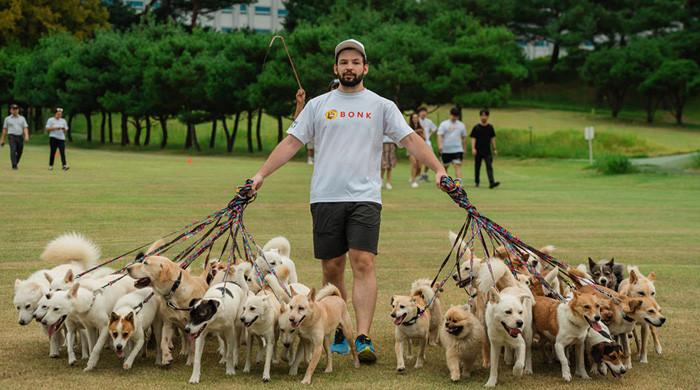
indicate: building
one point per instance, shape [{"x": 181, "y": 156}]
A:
[{"x": 262, "y": 16}]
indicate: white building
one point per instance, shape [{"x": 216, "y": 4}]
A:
[{"x": 262, "y": 16}]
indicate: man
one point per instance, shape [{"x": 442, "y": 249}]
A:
[
  {"x": 429, "y": 128},
  {"x": 57, "y": 127},
  {"x": 452, "y": 137},
  {"x": 483, "y": 138},
  {"x": 18, "y": 130},
  {"x": 348, "y": 126}
]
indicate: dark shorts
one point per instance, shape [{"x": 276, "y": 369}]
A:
[
  {"x": 341, "y": 226},
  {"x": 449, "y": 158}
]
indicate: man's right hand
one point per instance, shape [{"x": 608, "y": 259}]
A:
[
  {"x": 258, "y": 180},
  {"x": 474, "y": 151}
]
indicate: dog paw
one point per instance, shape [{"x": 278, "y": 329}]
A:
[
  {"x": 126, "y": 366},
  {"x": 194, "y": 380},
  {"x": 491, "y": 383},
  {"x": 71, "y": 362},
  {"x": 400, "y": 369},
  {"x": 54, "y": 355},
  {"x": 222, "y": 360},
  {"x": 517, "y": 370},
  {"x": 230, "y": 372},
  {"x": 454, "y": 378},
  {"x": 292, "y": 371},
  {"x": 658, "y": 350},
  {"x": 306, "y": 381},
  {"x": 567, "y": 377},
  {"x": 527, "y": 371},
  {"x": 266, "y": 379},
  {"x": 246, "y": 369},
  {"x": 328, "y": 370},
  {"x": 88, "y": 368}
]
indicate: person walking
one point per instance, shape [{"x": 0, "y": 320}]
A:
[
  {"x": 429, "y": 129},
  {"x": 17, "y": 129},
  {"x": 57, "y": 127},
  {"x": 348, "y": 126},
  {"x": 483, "y": 137},
  {"x": 414, "y": 122},
  {"x": 452, "y": 137}
]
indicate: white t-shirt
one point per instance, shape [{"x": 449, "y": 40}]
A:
[
  {"x": 453, "y": 133},
  {"x": 428, "y": 128},
  {"x": 58, "y": 134},
  {"x": 15, "y": 125},
  {"x": 348, "y": 130}
]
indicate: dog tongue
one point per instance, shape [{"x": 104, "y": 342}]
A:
[
  {"x": 514, "y": 332},
  {"x": 596, "y": 326},
  {"x": 399, "y": 320},
  {"x": 120, "y": 354}
]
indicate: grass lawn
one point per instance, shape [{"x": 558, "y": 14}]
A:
[{"x": 122, "y": 200}]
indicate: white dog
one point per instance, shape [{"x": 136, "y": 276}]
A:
[
  {"x": 509, "y": 324},
  {"x": 260, "y": 316},
  {"x": 218, "y": 311},
  {"x": 133, "y": 316},
  {"x": 276, "y": 252}
]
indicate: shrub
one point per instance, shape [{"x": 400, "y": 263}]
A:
[{"x": 614, "y": 165}]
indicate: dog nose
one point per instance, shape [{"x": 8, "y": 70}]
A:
[
  {"x": 663, "y": 319},
  {"x": 519, "y": 323},
  {"x": 597, "y": 318},
  {"x": 286, "y": 345},
  {"x": 623, "y": 370},
  {"x": 393, "y": 315},
  {"x": 119, "y": 347},
  {"x": 187, "y": 329},
  {"x": 21, "y": 322},
  {"x": 242, "y": 319},
  {"x": 603, "y": 281}
]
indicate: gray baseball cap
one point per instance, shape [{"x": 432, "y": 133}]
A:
[{"x": 350, "y": 44}]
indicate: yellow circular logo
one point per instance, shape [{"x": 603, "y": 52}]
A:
[{"x": 331, "y": 114}]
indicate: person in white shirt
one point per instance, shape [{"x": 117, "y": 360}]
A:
[
  {"x": 57, "y": 127},
  {"x": 348, "y": 127},
  {"x": 452, "y": 136},
  {"x": 429, "y": 129},
  {"x": 17, "y": 129}
]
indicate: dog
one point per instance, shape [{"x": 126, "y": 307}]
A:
[
  {"x": 77, "y": 253},
  {"x": 604, "y": 354},
  {"x": 288, "y": 334},
  {"x": 133, "y": 316},
  {"x": 567, "y": 324},
  {"x": 177, "y": 286},
  {"x": 276, "y": 252},
  {"x": 412, "y": 321},
  {"x": 317, "y": 317},
  {"x": 91, "y": 304},
  {"x": 461, "y": 334},
  {"x": 509, "y": 324},
  {"x": 606, "y": 272},
  {"x": 641, "y": 286},
  {"x": 260, "y": 317},
  {"x": 218, "y": 310}
]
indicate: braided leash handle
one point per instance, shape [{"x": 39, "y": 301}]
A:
[
  {"x": 454, "y": 189},
  {"x": 244, "y": 195}
]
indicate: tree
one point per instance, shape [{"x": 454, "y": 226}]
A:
[
  {"x": 173, "y": 10},
  {"x": 675, "y": 80},
  {"x": 25, "y": 21}
]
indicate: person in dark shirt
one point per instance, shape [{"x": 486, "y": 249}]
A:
[{"x": 484, "y": 148}]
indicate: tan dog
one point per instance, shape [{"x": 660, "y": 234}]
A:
[
  {"x": 177, "y": 287},
  {"x": 317, "y": 317},
  {"x": 567, "y": 324},
  {"x": 637, "y": 285},
  {"x": 462, "y": 336}
]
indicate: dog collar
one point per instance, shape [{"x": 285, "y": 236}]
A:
[
  {"x": 175, "y": 286},
  {"x": 415, "y": 318}
]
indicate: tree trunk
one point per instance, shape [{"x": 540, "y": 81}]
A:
[
  {"x": 164, "y": 128},
  {"x": 70, "y": 128},
  {"x": 88, "y": 121},
  {"x": 137, "y": 135},
  {"x": 279, "y": 129},
  {"x": 38, "y": 120},
  {"x": 191, "y": 139},
  {"x": 650, "y": 107},
  {"x": 147, "y": 141},
  {"x": 125, "y": 129},
  {"x": 232, "y": 141},
  {"x": 555, "y": 56},
  {"x": 227, "y": 133},
  {"x": 103, "y": 121},
  {"x": 250, "y": 131},
  {"x": 257, "y": 130},
  {"x": 195, "y": 14},
  {"x": 111, "y": 130},
  {"x": 212, "y": 139}
]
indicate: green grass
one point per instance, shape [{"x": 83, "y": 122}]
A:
[{"x": 122, "y": 200}]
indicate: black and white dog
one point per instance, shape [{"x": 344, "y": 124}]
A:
[{"x": 606, "y": 272}]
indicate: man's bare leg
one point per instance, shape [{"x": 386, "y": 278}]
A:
[
  {"x": 458, "y": 170},
  {"x": 334, "y": 273},
  {"x": 364, "y": 288}
]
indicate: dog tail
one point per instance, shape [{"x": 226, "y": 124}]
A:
[
  {"x": 71, "y": 246},
  {"x": 281, "y": 244},
  {"x": 489, "y": 277},
  {"x": 274, "y": 282},
  {"x": 327, "y": 291},
  {"x": 548, "y": 249},
  {"x": 422, "y": 287}
]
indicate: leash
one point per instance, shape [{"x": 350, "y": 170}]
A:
[{"x": 289, "y": 57}]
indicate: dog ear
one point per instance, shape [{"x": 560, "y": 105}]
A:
[
  {"x": 215, "y": 302},
  {"x": 312, "y": 294},
  {"x": 17, "y": 283},
  {"x": 155, "y": 245},
  {"x": 524, "y": 298},
  {"x": 633, "y": 277},
  {"x": 551, "y": 275},
  {"x": 597, "y": 352},
  {"x": 130, "y": 317},
  {"x": 494, "y": 296},
  {"x": 634, "y": 304},
  {"x": 611, "y": 263},
  {"x": 48, "y": 277},
  {"x": 48, "y": 295},
  {"x": 193, "y": 302},
  {"x": 283, "y": 308},
  {"x": 393, "y": 298},
  {"x": 113, "y": 317},
  {"x": 69, "y": 276},
  {"x": 293, "y": 291},
  {"x": 73, "y": 292},
  {"x": 652, "y": 276},
  {"x": 591, "y": 264}
]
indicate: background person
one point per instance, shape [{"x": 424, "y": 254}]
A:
[
  {"x": 429, "y": 128},
  {"x": 452, "y": 137},
  {"x": 17, "y": 129},
  {"x": 483, "y": 138},
  {"x": 57, "y": 127},
  {"x": 414, "y": 122}
]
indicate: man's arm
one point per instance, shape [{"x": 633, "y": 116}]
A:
[
  {"x": 300, "y": 100},
  {"x": 282, "y": 153},
  {"x": 26, "y": 134},
  {"x": 420, "y": 150},
  {"x": 4, "y": 134},
  {"x": 474, "y": 146},
  {"x": 493, "y": 145}
]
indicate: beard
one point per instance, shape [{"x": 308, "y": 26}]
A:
[{"x": 351, "y": 82}]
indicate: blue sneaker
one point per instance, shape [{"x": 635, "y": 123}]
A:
[
  {"x": 365, "y": 349},
  {"x": 340, "y": 343}
]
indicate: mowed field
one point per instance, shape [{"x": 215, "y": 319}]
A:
[{"x": 123, "y": 200}]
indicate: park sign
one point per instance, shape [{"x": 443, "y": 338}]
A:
[{"x": 589, "y": 134}]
